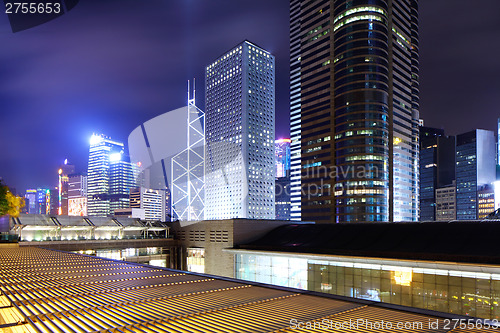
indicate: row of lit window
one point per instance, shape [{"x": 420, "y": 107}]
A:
[
  {"x": 358, "y": 18},
  {"x": 229, "y": 54},
  {"x": 358, "y": 10}
]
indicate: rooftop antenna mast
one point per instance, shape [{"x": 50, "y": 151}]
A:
[
  {"x": 192, "y": 101},
  {"x": 188, "y": 167}
]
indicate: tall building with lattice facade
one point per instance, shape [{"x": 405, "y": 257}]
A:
[{"x": 239, "y": 111}]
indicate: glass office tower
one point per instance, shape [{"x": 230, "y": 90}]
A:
[
  {"x": 239, "y": 111},
  {"x": 475, "y": 158},
  {"x": 437, "y": 168},
  {"x": 103, "y": 152},
  {"x": 354, "y": 110}
]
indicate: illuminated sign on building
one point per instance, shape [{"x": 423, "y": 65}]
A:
[
  {"x": 77, "y": 206},
  {"x": 47, "y": 202},
  {"x": 403, "y": 278}
]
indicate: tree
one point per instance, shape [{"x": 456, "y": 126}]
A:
[{"x": 9, "y": 203}]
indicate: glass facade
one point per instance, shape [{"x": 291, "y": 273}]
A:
[
  {"x": 354, "y": 99},
  {"x": 121, "y": 180},
  {"x": 154, "y": 256},
  {"x": 437, "y": 168},
  {"x": 475, "y": 165},
  {"x": 282, "y": 155},
  {"x": 281, "y": 271},
  {"x": 196, "y": 260},
  {"x": 450, "y": 288},
  {"x": 31, "y": 201},
  {"x": 98, "y": 181}
]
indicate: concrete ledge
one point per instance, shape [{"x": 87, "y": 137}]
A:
[{"x": 76, "y": 245}]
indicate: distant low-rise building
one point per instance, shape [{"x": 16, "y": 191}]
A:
[
  {"x": 153, "y": 202},
  {"x": 475, "y": 167},
  {"x": 485, "y": 200},
  {"x": 446, "y": 203}
]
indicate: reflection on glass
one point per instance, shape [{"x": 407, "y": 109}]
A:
[
  {"x": 196, "y": 260},
  {"x": 452, "y": 291},
  {"x": 141, "y": 255}
]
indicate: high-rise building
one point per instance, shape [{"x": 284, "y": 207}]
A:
[
  {"x": 354, "y": 110},
  {"x": 101, "y": 151},
  {"x": 77, "y": 185},
  {"x": 498, "y": 141},
  {"x": 152, "y": 201},
  {"x": 295, "y": 113},
  {"x": 64, "y": 171},
  {"x": 239, "y": 111},
  {"x": 77, "y": 195},
  {"x": 122, "y": 175},
  {"x": 31, "y": 201},
  {"x": 188, "y": 168},
  {"x": 282, "y": 156},
  {"x": 485, "y": 200},
  {"x": 54, "y": 202},
  {"x": 157, "y": 162},
  {"x": 282, "y": 192},
  {"x": 498, "y": 151},
  {"x": 43, "y": 201},
  {"x": 475, "y": 159},
  {"x": 282, "y": 198},
  {"x": 437, "y": 168}
]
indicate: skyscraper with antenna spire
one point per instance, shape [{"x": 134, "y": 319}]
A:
[{"x": 188, "y": 166}]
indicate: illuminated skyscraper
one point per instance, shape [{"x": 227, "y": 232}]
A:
[
  {"x": 354, "y": 102},
  {"x": 475, "y": 158},
  {"x": 282, "y": 192},
  {"x": 282, "y": 156},
  {"x": 121, "y": 179},
  {"x": 43, "y": 201},
  {"x": 437, "y": 168},
  {"x": 53, "y": 203},
  {"x": 64, "y": 171},
  {"x": 239, "y": 111},
  {"x": 104, "y": 161},
  {"x": 31, "y": 201},
  {"x": 77, "y": 186}
]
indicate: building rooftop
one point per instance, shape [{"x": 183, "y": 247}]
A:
[
  {"x": 51, "y": 291},
  {"x": 465, "y": 242}
]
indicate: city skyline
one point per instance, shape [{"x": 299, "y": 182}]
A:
[{"x": 83, "y": 91}]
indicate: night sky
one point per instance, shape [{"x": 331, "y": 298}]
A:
[{"x": 108, "y": 66}]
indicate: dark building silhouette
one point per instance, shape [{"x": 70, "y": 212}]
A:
[{"x": 437, "y": 168}]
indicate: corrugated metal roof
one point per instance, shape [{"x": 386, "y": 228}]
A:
[{"x": 49, "y": 291}]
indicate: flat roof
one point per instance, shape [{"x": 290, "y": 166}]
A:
[
  {"x": 53, "y": 291},
  {"x": 465, "y": 242}
]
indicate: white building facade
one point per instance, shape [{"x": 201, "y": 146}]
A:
[
  {"x": 240, "y": 119},
  {"x": 151, "y": 201}
]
